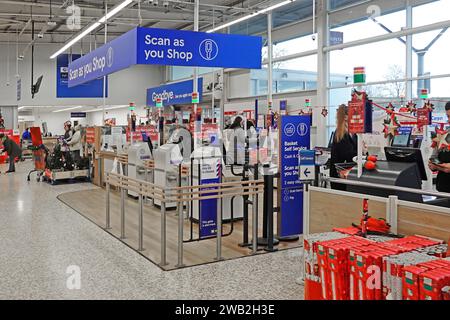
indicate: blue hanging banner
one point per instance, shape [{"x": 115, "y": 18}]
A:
[
  {"x": 91, "y": 89},
  {"x": 168, "y": 47},
  {"x": 294, "y": 136},
  {"x": 113, "y": 56},
  {"x": 174, "y": 93}
]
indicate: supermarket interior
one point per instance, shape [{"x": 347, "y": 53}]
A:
[{"x": 224, "y": 150}]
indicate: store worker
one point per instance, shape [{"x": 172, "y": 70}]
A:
[
  {"x": 236, "y": 150},
  {"x": 443, "y": 163},
  {"x": 344, "y": 147},
  {"x": 13, "y": 151}
]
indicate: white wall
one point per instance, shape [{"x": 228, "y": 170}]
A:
[{"x": 125, "y": 86}]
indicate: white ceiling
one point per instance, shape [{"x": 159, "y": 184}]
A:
[{"x": 14, "y": 15}]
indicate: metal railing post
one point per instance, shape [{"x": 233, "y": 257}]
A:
[
  {"x": 141, "y": 219},
  {"x": 255, "y": 221},
  {"x": 122, "y": 211},
  {"x": 108, "y": 208},
  {"x": 219, "y": 230},
  {"x": 163, "y": 234},
  {"x": 180, "y": 230}
]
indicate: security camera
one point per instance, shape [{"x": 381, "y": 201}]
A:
[
  {"x": 154, "y": 2},
  {"x": 165, "y": 3},
  {"x": 313, "y": 37},
  {"x": 40, "y": 35}
]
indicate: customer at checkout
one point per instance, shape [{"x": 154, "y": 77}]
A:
[
  {"x": 75, "y": 145},
  {"x": 443, "y": 163},
  {"x": 68, "y": 131},
  {"x": 344, "y": 147},
  {"x": 236, "y": 150}
]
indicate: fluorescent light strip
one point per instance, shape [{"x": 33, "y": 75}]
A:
[
  {"x": 67, "y": 109},
  {"x": 106, "y": 109},
  {"x": 251, "y": 15},
  {"x": 92, "y": 27}
]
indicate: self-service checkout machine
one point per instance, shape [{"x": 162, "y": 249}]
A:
[
  {"x": 168, "y": 157},
  {"x": 138, "y": 153}
]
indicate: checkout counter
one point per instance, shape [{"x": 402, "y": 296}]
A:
[{"x": 404, "y": 167}]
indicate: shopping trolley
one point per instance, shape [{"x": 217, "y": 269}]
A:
[{"x": 39, "y": 151}]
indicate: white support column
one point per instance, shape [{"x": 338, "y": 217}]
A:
[
  {"x": 270, "y": 61},
  {"x": 197, "y": 128},
  {"x": 323, "y": 72},
  {"x": 408, "y": 93}
]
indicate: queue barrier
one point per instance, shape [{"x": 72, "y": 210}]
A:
[{"x": 180, "y": 195}]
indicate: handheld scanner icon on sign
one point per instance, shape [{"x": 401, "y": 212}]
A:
[{"x": 208, "y": 49}]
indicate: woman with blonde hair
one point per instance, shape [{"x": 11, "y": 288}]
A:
[{"x": 344, "y": 147}]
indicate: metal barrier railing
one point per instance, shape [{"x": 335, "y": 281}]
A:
[{"x": 180, "y": 195}]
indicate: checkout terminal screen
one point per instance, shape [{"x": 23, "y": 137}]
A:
[{"x": 402, "y": 139}]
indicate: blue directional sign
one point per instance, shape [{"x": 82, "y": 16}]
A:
[
  {"x": 168, "y": 47},
  {"x": 175, "y": 93},
  {"x": 307, "y": 168},
  {"x": 294, "y": 138}
]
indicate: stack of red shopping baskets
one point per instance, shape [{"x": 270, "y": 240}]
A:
[{"x": 342, "y": 266}]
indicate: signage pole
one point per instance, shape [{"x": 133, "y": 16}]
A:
[
  {"x": 270, "y": 60},
  {"x": 195, "y": 77},
  {"x": 104, "y": 77}
]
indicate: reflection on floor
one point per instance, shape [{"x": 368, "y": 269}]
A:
[
  {"x": 92, "y": 205},
  {"x": 40, "y": 237}
]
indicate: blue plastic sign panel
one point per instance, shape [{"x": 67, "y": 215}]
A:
[
  {"x": 307, "y": 165},
  {"x": 210, "y": 173},
  {"x": 167, "y": 47},
  {"x": 336, "y": 37},
  {"x": 91, "y": 89},
  {"x": 113, "y": 56},
  {"x": 294, "y": 134},
  {"x": 175, "y": 93},
  {"x": 198, "y": 49}
]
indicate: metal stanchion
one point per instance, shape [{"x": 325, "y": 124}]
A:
[
  {"x": 108, "y": 209},
  {"x": 219, "y": 230},
  {"x": 255, "y": 222},
  {"x": 180, "y": 231},
  {"x": 163, "y": 234},
  {"x": 122, "y": 213},
  {"x": 141, "y": 221}
]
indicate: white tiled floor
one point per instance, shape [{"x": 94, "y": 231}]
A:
[{"x": 40, "y": 237}]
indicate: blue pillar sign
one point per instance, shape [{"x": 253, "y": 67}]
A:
[
  {"x": 307, "y": 165},
  {"x": 210, "y": 173},
  {"x": 167, "y": 47},
  {"x": 294, "y": 132}
]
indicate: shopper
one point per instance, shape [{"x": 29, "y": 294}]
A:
[
  {"x": 443, "y": 156},
  {"x": 236, "y": 150},
  {"x": 75, "y": 144},
  {"x": 68, "y": 131},
  {"x": 13, "y": 150},
  {"x": 344, "y": 147},
  {"x": 26, "y": 135}
]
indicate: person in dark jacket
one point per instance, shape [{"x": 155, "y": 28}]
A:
[
  {"x": 344, "y": 147},
  {"x": 13, "y": 151},
  {"x": 443, "y": 168}
]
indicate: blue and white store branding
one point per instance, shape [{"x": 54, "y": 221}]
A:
[
  {"x": 167, "y": 47},
  {"x": 294, "y": 138},
  {"x": 175, "y": 93}
]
